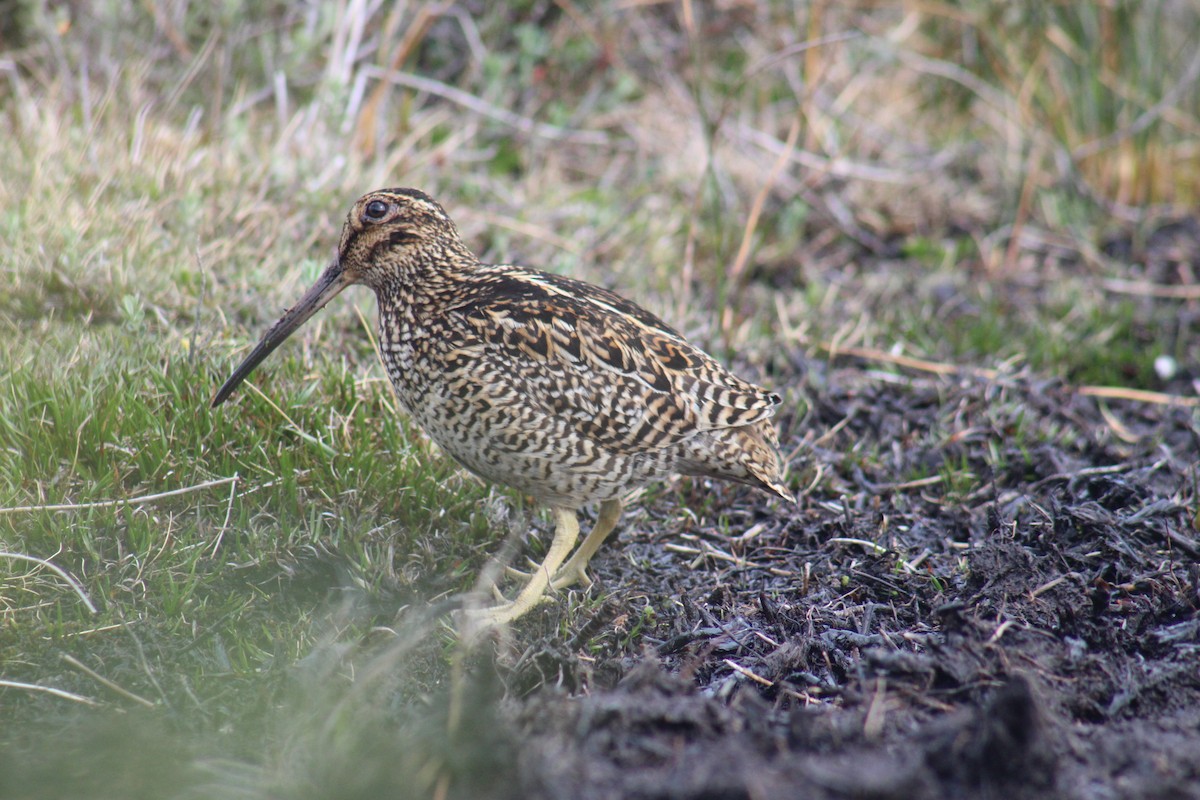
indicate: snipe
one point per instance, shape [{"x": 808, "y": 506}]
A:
[{"x": 558, "y": 388}]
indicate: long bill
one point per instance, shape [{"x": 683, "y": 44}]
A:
[{"x": 332, "y": 281}]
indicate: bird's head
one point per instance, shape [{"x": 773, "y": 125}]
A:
[
  {"x": 395, "y": 231},
  {"x": 389, "y": 236}
]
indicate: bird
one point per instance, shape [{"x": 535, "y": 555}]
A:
[{"x": 558, "y": 388}]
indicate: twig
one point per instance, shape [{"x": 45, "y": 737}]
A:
[
  {"x": 743, "y": 253},
  {"x": 105, "y": 682},
  {"x": 1147, "y": 289},
  {"x": 739, "y": 669},
  {"x": 74, "y": 584},
  {"x": 1139, "y": 395},
  {"x": 877, "y": 548},
  {"x": 1050, "y": 584},
  {"x": 228, "y": 516},
  {"x": 129, "y": 501},
  {"x": 33, "y": 687},
  {"x": 1082, "y": 473},
  {"x": 484, "y": 108},
  {"x": 941, "y": 368}
]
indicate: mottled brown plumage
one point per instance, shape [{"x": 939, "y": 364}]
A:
[{"x": 558, "y": 388}]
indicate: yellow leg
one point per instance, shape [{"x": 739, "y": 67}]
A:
[
  {"x": 566, "y": 531},
  {"x": 574, "y": 571}
]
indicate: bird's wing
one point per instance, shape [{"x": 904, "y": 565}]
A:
[{"x": 618, "y": 374}]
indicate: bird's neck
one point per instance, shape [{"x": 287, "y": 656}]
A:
[{"x": 415, "y": 287}]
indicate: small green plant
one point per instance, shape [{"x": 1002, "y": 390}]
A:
[{"x": 647, "y": 617}]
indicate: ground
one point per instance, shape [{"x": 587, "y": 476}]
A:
[
  {"x": 989, "y": 587},
  {"x": 1035, "y": 636}
]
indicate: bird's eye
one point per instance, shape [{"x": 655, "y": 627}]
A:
[{"x": 376, "y": 210}]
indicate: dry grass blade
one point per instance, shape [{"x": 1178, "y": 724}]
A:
[
  {"x": 943, "y": 368},
  {"x": 1139, "y": 396},
  {"x": 34, "y": 687},
  {"x": 105, "y": 682},
  {"x": 303, "y": 434},
  {"x": 57, "y": 570},
  {"x": 743, "y": 253},
  {"x": 739, "y": 669},
  {"x": 910, "y": 362},
  {"x": 128, "y": 501},
  {"x": 875, "y": 548},
  {"x": 480, "y": 106},
  {"x": 369, "y": 115},
  {"x": 1146, "y": 289}
]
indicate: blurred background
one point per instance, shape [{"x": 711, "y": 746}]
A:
[{"x": 685, "y": 149}]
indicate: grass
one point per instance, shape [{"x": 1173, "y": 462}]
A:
[
  {"x": 1082, "y": 76},
  {"x": 172, "y": 181}
]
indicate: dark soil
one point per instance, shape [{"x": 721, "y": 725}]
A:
[{"x": 992, "y": 590}]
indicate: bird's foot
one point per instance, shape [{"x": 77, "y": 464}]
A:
[
  {"x": 571, "y": 575},
  {"x": 499, "y": 595},
  {"x": 566, "y": 577},
  {"x": 566, "y": 531},
  {"x": 472, "y": 621}
]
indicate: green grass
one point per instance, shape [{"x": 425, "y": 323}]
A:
[
  {"x": 1085, "y": 74},
  {"x": 93, "y": 419},
  {"x": 162, "y": 199}
]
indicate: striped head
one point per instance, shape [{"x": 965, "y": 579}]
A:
[
  {"x": 390, "y": 236},
  {"x": 397, "y": 230}
]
